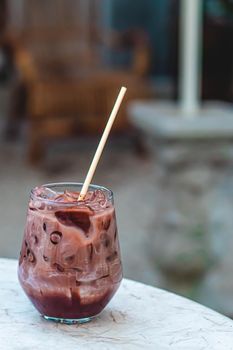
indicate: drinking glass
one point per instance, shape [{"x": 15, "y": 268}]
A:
[{"x": 70, "y": 264}]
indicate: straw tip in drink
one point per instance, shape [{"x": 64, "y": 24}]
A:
[{"x": 81, "y": 197}]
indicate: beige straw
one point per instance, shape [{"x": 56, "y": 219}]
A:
[{"x": 101, "y": 145}]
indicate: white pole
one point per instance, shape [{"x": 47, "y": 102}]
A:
[{"x": 190, "y": 45}]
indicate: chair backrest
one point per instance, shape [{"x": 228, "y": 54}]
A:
[{"x": 60, "y": 29}]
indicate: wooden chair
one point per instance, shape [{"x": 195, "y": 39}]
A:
[{"x": 68, "y": 90}]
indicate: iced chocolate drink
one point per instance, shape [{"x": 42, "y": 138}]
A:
[{"x": 70, "y": 264}]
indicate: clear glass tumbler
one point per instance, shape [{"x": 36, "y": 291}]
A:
[{"x": 70, "y": 264}]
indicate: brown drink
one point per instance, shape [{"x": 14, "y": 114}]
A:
[{"x": 70, "y": 264}]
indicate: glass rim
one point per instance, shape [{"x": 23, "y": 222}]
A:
[{"x": 33, "y": 195}]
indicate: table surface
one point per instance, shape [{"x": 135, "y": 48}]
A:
[
  {"x": 166, "y": 120},
  {"x": 139, "y": 316}
]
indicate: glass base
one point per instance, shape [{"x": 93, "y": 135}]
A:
[{"x": 68, "y": 320}]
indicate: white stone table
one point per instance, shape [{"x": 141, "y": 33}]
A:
[{"x": 138, "y": 317}]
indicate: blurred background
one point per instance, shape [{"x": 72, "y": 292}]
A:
[{"x": 169, "y": 159}]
